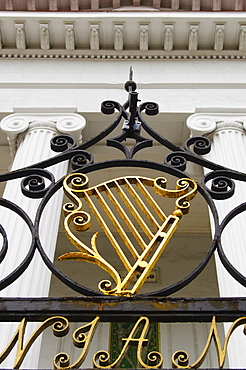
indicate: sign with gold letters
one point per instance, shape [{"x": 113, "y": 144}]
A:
[{"x": 137, "y": 338}]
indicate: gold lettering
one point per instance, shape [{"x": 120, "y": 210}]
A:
[
  {"x": 154, "y": 358},
  {"x": 101, "y": 360},
  {"x": 180, "y": 359},
  {"x": 60, "y": 328},
  {"x": 80, "y": 340}
]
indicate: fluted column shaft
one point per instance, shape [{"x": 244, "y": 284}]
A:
[
  {"x": 228, "y": 139},
  {"x": 29, "y": 136}
]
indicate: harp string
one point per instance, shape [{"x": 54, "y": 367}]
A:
[
  {"x": 108, "y": 233},
  {"x": 141, "y": 204},
  {"x": 134, "y": 212},
  {"x": 152, "y": 203},
  {"x": 122, "y": 186},
  {"x": 125, "y": 217}
]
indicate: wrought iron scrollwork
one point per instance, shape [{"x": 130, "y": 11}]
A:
[
  {"x": 60, "y": 143},
  {"x": 176, "y": 160},
  {"x": 201, "y": 145},
  {"x": 81, "y": 158},
  {"x": 222, "y": 186},
  {"x": 219, "y": 183},
  {"x": 4, "y": 247},
  {"x": 33, "y": 185}
]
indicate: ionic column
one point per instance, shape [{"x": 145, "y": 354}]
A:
[
  {"x": 29, "y": 138},
  {"x": 228, "y": 139}
]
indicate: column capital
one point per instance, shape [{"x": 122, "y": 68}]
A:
[
  {"x": 201, "y": 124},
  {"x": 67, "y": 123}
]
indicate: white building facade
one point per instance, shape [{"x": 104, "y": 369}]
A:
[{"x": 59, "y": 61}]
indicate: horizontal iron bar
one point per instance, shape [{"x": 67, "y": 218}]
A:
[{"x": 122, "y": 309}]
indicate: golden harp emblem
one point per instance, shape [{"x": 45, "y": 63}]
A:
[{"x": 126, "y": 205}]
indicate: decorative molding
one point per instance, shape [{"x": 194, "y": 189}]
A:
[
  {"x": 9, "y": 5},
  {"x": 124, "y": 54},
  {"x": 43, "y": 124},
  {"x": 94, "y": 37},
  {"x": 14, "y": 127},
  {"x": 238, "y": 5},
  {"x": 1, "y": 43},
  {"x": 204, "y": 123},
  {"x": 44, "y": 36},
  {"x": 168, "y": 37},
  {"x": 16, "y": 124},
  {"x": 156, "y": 4},
  {"x": 216, "y": 5},
  {"x": 200, "y": 124},
  {"x": 53, "y": 5},
  {"x": 193, "y": 37},
  {"x": 69, "y": 37},
  {"x": 31, "y": 5},
  {"x": 71, "y": 124},
  {"x": 196, "y": 5},
  {"x": 219, "y": 37},
  {"x": 230, "y": 124},
  {"x": 103, "y": 86},
  {"x": 74, "y": 5},
  {"x": 157, "y": 86},
  {"x": 118, "y": 37},
  {"x": 94, "y": 4},
  {"x": 242, "y": 38},
  {"x": 144, "y": 37},
  {"x": 175, "y": 4},
  {"x": 171, "y": 5},
  {"x": 20, "y": 36},
  {"x": 116, "y": 4}
]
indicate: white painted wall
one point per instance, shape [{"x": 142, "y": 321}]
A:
[{"x": 178, "y": 86}]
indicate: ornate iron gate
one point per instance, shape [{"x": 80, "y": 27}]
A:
[{"x": 128, "y": 199}]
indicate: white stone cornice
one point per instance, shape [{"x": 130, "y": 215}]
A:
[
  {"x": 102, "y": 54},
  {"x": 44, "y": 36},
  {"x": 124, "y": 54},
  {"x": 33, "y": 41},
  {"x": 69, "y": 37},
  {"x": 242, "y": 38},
  {"x": 193, "y": 37},
  {"x": 171, "y": 6},
  {"x": 118, "y": 37},
  {"x": 16, "y": 124},
  {"x": 94, "y": 37},
  {"x": 168, "y": 37},
  {"x": 201, "y": 124},
  {"x": 1, "y": 43},
  {"x": 219, "y": 36},
  {"x": 143, "y": 37},
  {"x": 20, "y": 36}
]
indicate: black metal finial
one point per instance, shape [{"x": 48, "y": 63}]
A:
[
  {"x": 130, "y": 85},
  {"x": 130, "y": 74}
]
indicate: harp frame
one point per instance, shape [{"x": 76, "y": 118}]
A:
[{"x": 76, "y": 188}]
